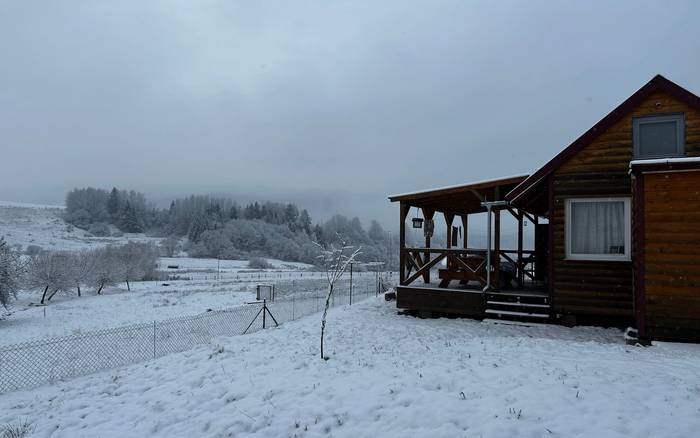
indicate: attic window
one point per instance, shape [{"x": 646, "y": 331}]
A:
[{"x": 659, "y": 136}]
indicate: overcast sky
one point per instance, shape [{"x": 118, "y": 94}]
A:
[{"x": 334, "y": 104}]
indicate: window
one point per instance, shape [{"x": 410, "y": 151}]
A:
[
  {"x": 598, "y": 229},
  {"x": 659, "y": 136}
]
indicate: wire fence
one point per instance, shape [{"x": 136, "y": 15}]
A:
[
  {"x": 171, "y": 275},
  {"x": 30, "y": 364}
]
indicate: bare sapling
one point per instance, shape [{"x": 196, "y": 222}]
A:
[{"x": 335, "y": 260}]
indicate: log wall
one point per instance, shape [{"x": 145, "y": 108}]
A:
[
  {"x": 671, "y": 255},
  {"x": 603, "y": 290}
]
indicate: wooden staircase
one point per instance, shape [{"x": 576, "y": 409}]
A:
[{"x": 523, "y": 306}]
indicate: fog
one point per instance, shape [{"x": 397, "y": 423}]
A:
[{"x": 334, "y": 105}]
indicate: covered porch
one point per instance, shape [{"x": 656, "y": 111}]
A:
[{"x": 457, "y": 277}]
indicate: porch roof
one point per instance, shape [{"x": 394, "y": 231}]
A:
[{"x": 461, "y": 199}]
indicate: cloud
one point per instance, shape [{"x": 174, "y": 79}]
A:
[{"x": 363, "y": 98}]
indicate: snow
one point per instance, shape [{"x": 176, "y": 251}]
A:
[
  {"x": 666, "y": 161},
  {"x": 148, "y": 301},
  {"x": 191, "y": 264},
  {"x": 30, "y": 224},
  {"x": 389, "y": 375},
  {"x": 457, "y": 186}
]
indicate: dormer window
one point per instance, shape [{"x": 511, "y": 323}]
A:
[{"x": 659, "y": 136}]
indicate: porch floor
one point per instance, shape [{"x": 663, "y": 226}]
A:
[{"x": 469, "y": 300}]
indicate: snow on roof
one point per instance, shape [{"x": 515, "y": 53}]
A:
[
  {"x": 458, "y": 186},
  {"x": 666, "y": 161}
]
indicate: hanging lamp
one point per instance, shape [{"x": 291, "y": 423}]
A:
[{"x": 417, "y": 221}]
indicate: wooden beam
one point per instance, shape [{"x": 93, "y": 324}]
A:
[
  {"x": 428, "y": 215},
  {"x": 425, "y": 268},
  {"x": 465, "y": 229},
  {"x": 495, "y": 276},
  {"x": 520, "y": 266},
  {"x": 403, "y": 212},
  {"x": 449, "y": 217},
  {"x": 530, "y": 217}
]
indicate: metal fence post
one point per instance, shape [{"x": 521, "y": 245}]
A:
[{"x": 154, "y": 339}]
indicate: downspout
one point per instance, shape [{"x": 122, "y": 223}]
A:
[
  {"x": 489, "y": 205},
  {"x": 488, "y": 246}
]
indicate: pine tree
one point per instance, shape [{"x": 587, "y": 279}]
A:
[
  {"x": 113, "y": 203},
  {"x": 233, "y": 212},
  {"x": 305, "y": 221},
  {"x": 131, "y": 223},
  {"x": 197, "y": 227}
]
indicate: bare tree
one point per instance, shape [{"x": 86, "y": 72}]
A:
[
  {"x": 335, "y": 260},
  {"x": 136, "y": 260},
  {"x": 107, "y": 270},
  {"x": 82, "y": 266},
  {"x": 48, "y": 270},
  {"x": 170, "y": 246},
  {"x": 11, "y": 270}
]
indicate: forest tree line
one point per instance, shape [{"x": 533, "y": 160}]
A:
[{"x": 221, "y": 228}]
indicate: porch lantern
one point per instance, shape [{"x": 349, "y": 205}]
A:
[{"x": 417, "y": 221}]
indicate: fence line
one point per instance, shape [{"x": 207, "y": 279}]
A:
[{"x": 34, "y": 363}]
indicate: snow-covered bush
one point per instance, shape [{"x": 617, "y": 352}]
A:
[
  {"x": 99, "y": 229},
  {"x": 259, "y": 263},
  {"x": 170, "y": 246},
  {"x": 10, "y": 272},
  {"x": 33, "y": 250},
  {"x": 20, "y": 429}
]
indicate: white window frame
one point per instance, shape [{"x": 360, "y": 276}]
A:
[
  {"x": 680, "y": 133},
  {"x": 603, "y": 257}
]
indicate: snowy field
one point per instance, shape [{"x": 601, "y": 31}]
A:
[
  {"x": 152, "y": 301},
  {"x": 388, "y": 375},
  {"x": 42, "y": 225}
]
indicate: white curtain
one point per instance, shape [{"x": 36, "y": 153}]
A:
[{"x": 598, "y": 227}]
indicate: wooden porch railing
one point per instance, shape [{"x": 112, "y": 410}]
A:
[{"x": 463, "y": 264}]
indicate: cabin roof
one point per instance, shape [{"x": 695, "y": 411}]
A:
[
  {"x": 657, "y": 84},
  {"x": 461, "y": 198}
]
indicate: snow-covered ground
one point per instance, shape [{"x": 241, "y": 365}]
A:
[
  {"x": 42, "y": 225},
  {"x": 191, "y": 264},
  {"x": 388, "y": 375},
  {"x": 151, "y": 301}
]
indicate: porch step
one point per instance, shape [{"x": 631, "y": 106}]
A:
[
  {"x": 520, "y": 306},
  {"x": 514, "y": 304},
  {"x": 518, "y": 298},
  {"x": 501, "y": 313}
]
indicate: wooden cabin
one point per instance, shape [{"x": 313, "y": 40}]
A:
[{"x": 616, "y": 216}]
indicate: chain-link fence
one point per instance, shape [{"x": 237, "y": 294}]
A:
[{"x": 35, "y": 363}]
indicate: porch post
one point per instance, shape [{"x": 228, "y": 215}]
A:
[
  {"x": 488, "y": 247},
  {"x": 428, "y": 216},
  {"x": 449, "y": 217},
  {"x": 497, "y": 247},
  {"x": 404, "y": 208},
  {"x": 521, "y": 266},
  {"x": 465, "y": 227}
]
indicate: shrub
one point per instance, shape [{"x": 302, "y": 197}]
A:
[
  {"x": 33, "y": 250},
  {"x": 20, "y": 429},
  {"x": 258, "y": 263},
  {"x": 99, "y": 229}
]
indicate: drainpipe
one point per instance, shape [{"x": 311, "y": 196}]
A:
[
  {"x": 489, "y": 205},
  {"x": 488, "y": 246}
]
